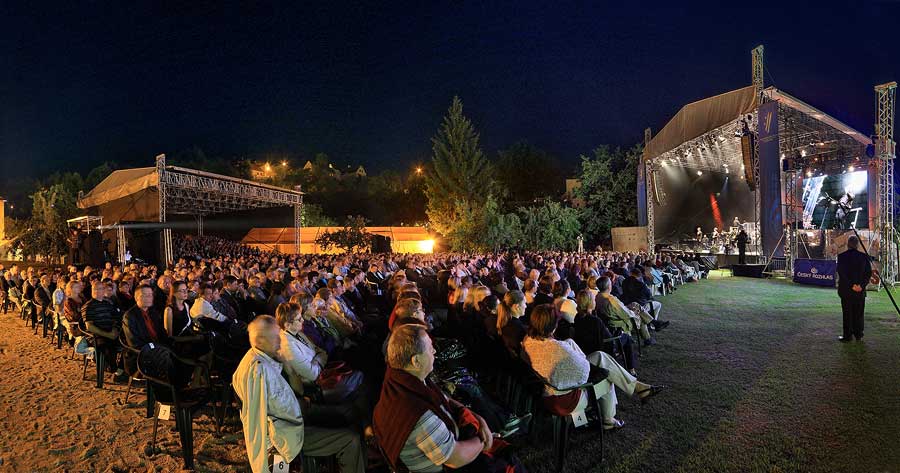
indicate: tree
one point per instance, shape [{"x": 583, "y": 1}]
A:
[
  {"x": 608, "y": 190},
  {"x": 527, "y": 173},
  {"x": 550, "y": 226},
  {"x": 500, "y": 229},
  {"x": 461, "y": 178},
  {"x": 352, "y": 238},
  {"x": 45, "y": 232},
  {"x": 313, "y": 216}
]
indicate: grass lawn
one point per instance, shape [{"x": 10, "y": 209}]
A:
[{"x": 757, "y": 383}]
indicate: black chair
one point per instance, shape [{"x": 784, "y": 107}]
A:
[
  {"x": 134, "y": 374},
  {"x": 99, "y": 359},
  {"x": 60, "y": 332},
  {"x": 560, "y": 425},
  {"x": 182, "y": 401}
]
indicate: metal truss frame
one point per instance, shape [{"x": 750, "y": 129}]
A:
[
  {"x": 649, "y": 182},
  {"x": 885, "y": 152},
  {"x": 185, "y": 191},
  {"x": 759, "y": 86}
]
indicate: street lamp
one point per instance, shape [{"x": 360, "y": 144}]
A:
[{"x": 419, "y": 170}]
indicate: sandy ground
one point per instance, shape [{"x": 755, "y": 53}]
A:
[{"x": 53, "y": 421}]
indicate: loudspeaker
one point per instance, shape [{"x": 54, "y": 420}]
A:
[
  {"x": 381, "y": 244},
  {"x": 747, "y": 153}
]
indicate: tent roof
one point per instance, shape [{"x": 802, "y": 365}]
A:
[
  {"x": 702, "y": 116},
  {"x": 121, "y": 183},
  {"x": 189, "y": 191}
]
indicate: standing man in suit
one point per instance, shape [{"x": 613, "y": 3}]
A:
[{"x": 854, "y": 271}]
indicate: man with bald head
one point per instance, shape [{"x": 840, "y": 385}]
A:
[
  {"x": 103, "y": 320},
  {"x": 273, "y": 417}
]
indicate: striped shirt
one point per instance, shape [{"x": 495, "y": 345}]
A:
[{"x": 429, "y": 445}]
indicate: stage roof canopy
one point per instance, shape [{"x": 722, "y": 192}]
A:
[
  {"x": 133, "y": 194},
  {"x": 706, "y": 134}
]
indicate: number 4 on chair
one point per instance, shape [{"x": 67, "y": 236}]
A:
[{"x": 279, "y": 465}]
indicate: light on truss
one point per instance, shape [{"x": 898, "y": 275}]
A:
[
  {"x": 851, "y": 168},
  {"x": 699, "y": 173}
]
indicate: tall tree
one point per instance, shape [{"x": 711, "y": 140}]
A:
[
  {"x": 461, "y": 178},
  {"x": 527, "y": 173}
]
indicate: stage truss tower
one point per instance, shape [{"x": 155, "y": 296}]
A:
[
  {"x": 885, "y": 153},
  {"x": 648, "y": 186},
  {"x": 758, "y": 84}
]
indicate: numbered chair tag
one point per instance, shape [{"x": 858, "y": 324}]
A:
[
  {"x": 164, "y": 412},
  {"x": 279, "y": 465},
  {"x": 579, "y": 418}
]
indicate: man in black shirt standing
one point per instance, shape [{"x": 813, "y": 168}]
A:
[{"x": 854, "y": 271}]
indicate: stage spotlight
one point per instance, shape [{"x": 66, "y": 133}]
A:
[
  {"x": 699, "y": 173},
  {"x": 851, "y": 168},
  {"x": 803, "y": 153},
  {"x": 808, "y": 173}
]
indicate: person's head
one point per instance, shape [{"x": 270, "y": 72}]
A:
[
  {"x": 545, "y": 284},
  {"x": 207, "y": 292},
  {"x": 254, "y": 282},
  {"x": 604, "y": 284},
  {"x": 489, "y": 304},
  {"x": 475, "y": 296},
  {"x": 542, "y": 322},
  {"x": 45, "y": 280},
  {"x": 530, "y": 286},
  {"x": 635, "y": 273},
  {"x": 302, "y": 299},
  {"x": 98, "y": 290},
  {"x": 592, "y": 282},
  {"x": 143, "y": 296},
  {"x": 336, "y": 287},
  {"x": 264, "y": 335},
  {"x": 73, "y": 289},
  {"x": 410, "y": 349},
  {"x": 561, "y": 288},
  {"x": 178, "y": 292},
  {"x": 585, "y": 301},
  {"x": 164, "y": 282},
  {"x": 409, "y": 308},
  {"x": 289, "y": 317},
  {"x": 323, "y": 294},
  {"x": 231, "y": 283},
  {"x": 513, "y": 306},
  {"x": 853, "y": 242}
]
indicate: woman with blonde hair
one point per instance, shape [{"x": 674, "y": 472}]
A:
[{"x": 509, "y": 321}]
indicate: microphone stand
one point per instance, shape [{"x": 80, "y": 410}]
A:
[{"x": 880, "y": 279}]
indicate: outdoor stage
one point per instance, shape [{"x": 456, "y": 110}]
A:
[{"x": 793, "y": 178}]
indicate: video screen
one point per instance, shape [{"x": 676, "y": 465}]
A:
[{"x": 837, "y": 201}]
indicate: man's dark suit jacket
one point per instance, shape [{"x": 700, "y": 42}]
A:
[
  {"x": 853, "y": 267},
  {"x": 634, "y": 290}
]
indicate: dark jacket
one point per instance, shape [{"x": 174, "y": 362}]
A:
[
  {"x": 853, "y": 267},
  {"x": 634, "y": 290}
]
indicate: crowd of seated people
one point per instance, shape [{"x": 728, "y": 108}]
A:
[{"x": 330, "y": 354}]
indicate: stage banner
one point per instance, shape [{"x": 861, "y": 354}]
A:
[
  {"x": 820, "y": 272},
  {"x": 769, "y": 179}
]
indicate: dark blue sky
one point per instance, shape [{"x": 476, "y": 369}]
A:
[{"x": 86, "y": 82}]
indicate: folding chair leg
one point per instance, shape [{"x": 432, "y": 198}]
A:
[
  {"x": 151, "y": 400},
  {"x": 186, "y": 431},
  {"x": 155, "y": 411},
  {"x": 100, "y": 362},
  {"x": 128, "y": 391}
]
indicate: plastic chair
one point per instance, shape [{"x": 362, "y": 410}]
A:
[
  {"x": 561, "y": 425},
  {"x": 182, "y": 401},
  {"x": 99, "y": 360}
]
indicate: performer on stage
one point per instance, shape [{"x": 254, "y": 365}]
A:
[
  {"x": 854, "y": 271},
  {"x": 742, "y": 240},
  {"x": 843, "y": 211},
  {"x": 699, "y": 233},
  {"x": 737, "y": 222},
  {"x": 715, "y": 236}
]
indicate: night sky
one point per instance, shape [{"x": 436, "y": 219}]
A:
[{"x": 87, "y": 82}]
